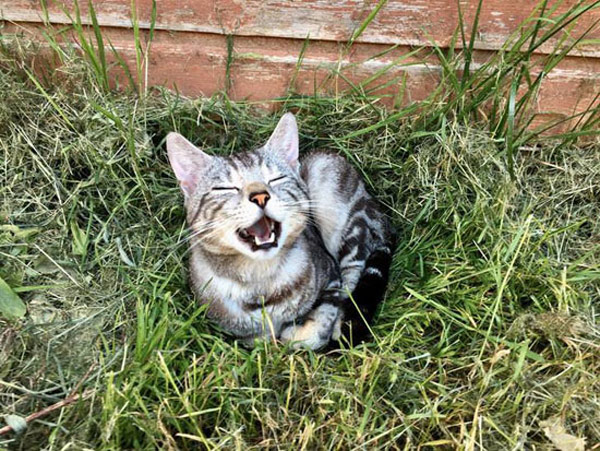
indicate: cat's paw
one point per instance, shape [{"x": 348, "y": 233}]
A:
[
  {"x": 248, "y": 342},
  {"x": 336, "y": 334},
  {"x": 306, "y": 335},
  {"x": 252, "y": 341},
  {"x": 317, "y": 331}
]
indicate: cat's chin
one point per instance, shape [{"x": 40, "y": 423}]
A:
[{"x": 260, "y": 254}]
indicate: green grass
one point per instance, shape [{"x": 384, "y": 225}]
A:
[{"x": 490, "y": 325}]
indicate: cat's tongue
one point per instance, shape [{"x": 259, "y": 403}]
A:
[{"x": 260, "y": 229}]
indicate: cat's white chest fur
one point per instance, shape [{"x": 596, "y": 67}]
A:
[{"x": 253, "y": 285}]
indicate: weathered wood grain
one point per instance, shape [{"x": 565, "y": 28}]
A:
[
  {"x": 264, "y": 68},
  {"x": 406, "y": 22},
  {"x": 189, "y": 52}
]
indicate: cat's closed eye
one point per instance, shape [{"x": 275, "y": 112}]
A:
[
  {"x": 277, "y": 180},
  {"x": 225, "y": 188}
]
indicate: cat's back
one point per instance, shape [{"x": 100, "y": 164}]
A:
[
  {"x": 327, "y": 173},
  {"x": 340, "y": 202}
]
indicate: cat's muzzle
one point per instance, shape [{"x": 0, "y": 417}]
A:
[{"x": 262, "y": 235}]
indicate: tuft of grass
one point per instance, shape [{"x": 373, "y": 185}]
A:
[
  {"x": 499, "y": 93},
  {"x": 490, "y": 325}
]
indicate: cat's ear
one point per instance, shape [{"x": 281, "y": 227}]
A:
[
  {"x": 284, "y": 140},
  {"x": 188, "y": 162}
]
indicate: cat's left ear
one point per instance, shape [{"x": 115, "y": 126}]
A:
[
  {"x": 188, "y": 162},
  {"x": 284, "y": 140}
]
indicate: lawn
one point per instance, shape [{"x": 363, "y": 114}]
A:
[{"x": 488, "y": 337}]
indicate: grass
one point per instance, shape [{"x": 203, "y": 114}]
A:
[{"x": 490, "y": 325}]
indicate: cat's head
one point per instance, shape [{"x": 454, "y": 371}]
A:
[{"x": 251, "y": 203}]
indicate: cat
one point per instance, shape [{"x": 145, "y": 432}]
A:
[{"x": 277, "y": 244}]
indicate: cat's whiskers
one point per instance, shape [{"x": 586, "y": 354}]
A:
[
  {"x": 308, "y": 209},
  {"x": 213, "y": 226},
  {"x": 210, "y": 227},
  {"x": 200, "y": 240},
  {"x": 309, "y": 204}
]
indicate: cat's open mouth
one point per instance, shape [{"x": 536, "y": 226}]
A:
[{"x": 261, "y": 235}]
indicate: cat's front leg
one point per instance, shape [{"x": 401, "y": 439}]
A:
[
  {"x": 251, "y": 341},
  {"x": 318, "y": 328},
  {"x": 265, "y": 330}
]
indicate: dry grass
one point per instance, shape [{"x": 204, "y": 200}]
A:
[{"x": 490, "y": 325}]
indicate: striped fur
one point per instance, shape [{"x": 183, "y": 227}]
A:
[
  {"x": 277, "y": 245},
  {"x": 355, "y": 232}
]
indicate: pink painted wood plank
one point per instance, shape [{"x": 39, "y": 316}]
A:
[{"x": 407, "y": 22}]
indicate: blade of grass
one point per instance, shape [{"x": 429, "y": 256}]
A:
[{"x": 363, "y": 26}]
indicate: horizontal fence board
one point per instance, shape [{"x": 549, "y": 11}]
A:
[
  {"x": 406, "y": 22},
  {"x": 264, "y": 68},
  {"x": 189, "y": 52}
]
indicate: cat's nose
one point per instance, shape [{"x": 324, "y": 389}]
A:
[{"x": 260, "y": 198}]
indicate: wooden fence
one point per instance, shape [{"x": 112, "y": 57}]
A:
[{"x": 251, "y": 48}]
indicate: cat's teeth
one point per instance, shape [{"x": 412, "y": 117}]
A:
[{"x": 259, "y": 242}]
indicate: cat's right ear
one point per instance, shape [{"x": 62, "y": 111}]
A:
[{"x": 188, "y": 162}]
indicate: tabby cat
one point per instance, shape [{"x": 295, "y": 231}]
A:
[{"x": 278, "y": 244}]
